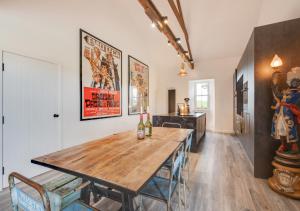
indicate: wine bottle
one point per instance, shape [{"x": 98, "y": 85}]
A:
[
  {"x": 141, "y": 128},
  {"x": 148, "y": 126}
]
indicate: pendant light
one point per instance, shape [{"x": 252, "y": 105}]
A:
[{"x": 182, "y": 71}]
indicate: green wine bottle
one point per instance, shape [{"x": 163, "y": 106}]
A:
[
  {"x": 148, "y": 126},
  {"x": 141, "y": 128}
]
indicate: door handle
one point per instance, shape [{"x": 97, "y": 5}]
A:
[{"x": 55, "y": 115}]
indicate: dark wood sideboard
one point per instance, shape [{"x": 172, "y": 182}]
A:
[{"x": 196, "y": 121}]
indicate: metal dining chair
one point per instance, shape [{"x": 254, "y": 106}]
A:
[
  {"x": 168, "y": 163},
  {"x": 188, "y": 147},
  {"x": 184, "y": 179},
  {"x": 186, "y": 163},
  {"x": 162, "y": 189},
  {"x": 61, "y": 196}
]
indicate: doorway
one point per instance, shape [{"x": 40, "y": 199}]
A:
[
  {"x": 171, "y": 101},
  {"x": 202, "y": 95},
  {"x": 31, "y": 109}
]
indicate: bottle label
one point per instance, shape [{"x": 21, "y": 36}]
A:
[
  {"x": 147, "y": 131},
  {"x": 140, "y": 134}
]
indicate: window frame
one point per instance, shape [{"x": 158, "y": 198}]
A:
[{"x": 196, "y": 95}]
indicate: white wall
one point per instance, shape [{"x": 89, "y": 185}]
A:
[
  {"x": 273, "y": 11},
  {"x": 219, "y": 69},
  {"x": 49, "y": 30}
]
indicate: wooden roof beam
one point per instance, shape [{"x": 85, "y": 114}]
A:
[
  {"x": 179, "y": 16},
  {"x": 155, "y": 16}
]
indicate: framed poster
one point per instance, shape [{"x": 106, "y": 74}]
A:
[
  {"x": 138, "y": 86},
  {"x": 100, "y": 78}
]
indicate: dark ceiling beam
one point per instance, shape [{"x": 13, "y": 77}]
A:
[{"x": 154, "y": 15}]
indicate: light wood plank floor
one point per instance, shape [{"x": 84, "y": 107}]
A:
[{"x": 221, "y": 180}]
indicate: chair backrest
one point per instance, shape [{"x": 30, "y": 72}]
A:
[
  {"x": 23, "y": 201},
  {"x": 187, "y": 148},
  {"x": 171, "y": 124},
  {"x": 188, "y": 143},
  {"x": 177, "y": 160}
]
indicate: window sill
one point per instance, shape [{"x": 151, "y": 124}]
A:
[{"x": 201, "y": 110}]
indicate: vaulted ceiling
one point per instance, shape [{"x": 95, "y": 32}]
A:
[{"x": 217, "y": 28}]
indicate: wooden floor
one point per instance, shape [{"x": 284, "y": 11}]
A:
[{"x": 221, "y": 180}]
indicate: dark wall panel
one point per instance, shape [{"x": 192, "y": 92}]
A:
[
  {"x": 245, "y": 70},
  {"x": 282, "y": 39},
  {"x": 266, "y": 41}
]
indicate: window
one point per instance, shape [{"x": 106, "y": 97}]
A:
[{"x": 201, "y": 95}]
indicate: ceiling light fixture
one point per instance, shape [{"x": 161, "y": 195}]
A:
[
  {"x": 153, "y": 25},
  {"x": 182, "y": 71},
  {"x": 178, "y": 40},
  {"x": 165, "y": 20},
  {"x": 169, "y": 43}
]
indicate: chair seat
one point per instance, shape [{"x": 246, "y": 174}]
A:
[
  {"x": 78, "y": 206},
  {"x": 59, "y": 182},
  {"x": 158, "y": 188},
  {"x": 61, "y": 191}
]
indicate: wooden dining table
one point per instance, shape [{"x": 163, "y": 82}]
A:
[{"x": 118, "y": 166}]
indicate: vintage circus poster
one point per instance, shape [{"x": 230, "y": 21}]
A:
[
  {"x": 100, "y": 78},
  {"x": 138, "y": 97}
]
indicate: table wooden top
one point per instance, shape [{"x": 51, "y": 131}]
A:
[{"x": 120, "y": 160}]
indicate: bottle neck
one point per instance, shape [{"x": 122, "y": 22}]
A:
[{"x": 141, "y": 117}]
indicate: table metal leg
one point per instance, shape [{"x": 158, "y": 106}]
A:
[
  {"x": 85, "y": 193},
  {"x": 96, "y": 197},
  {"x": 127, "y": 202}
]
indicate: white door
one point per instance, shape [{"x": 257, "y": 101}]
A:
[{"x": 30, "y": 101}]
